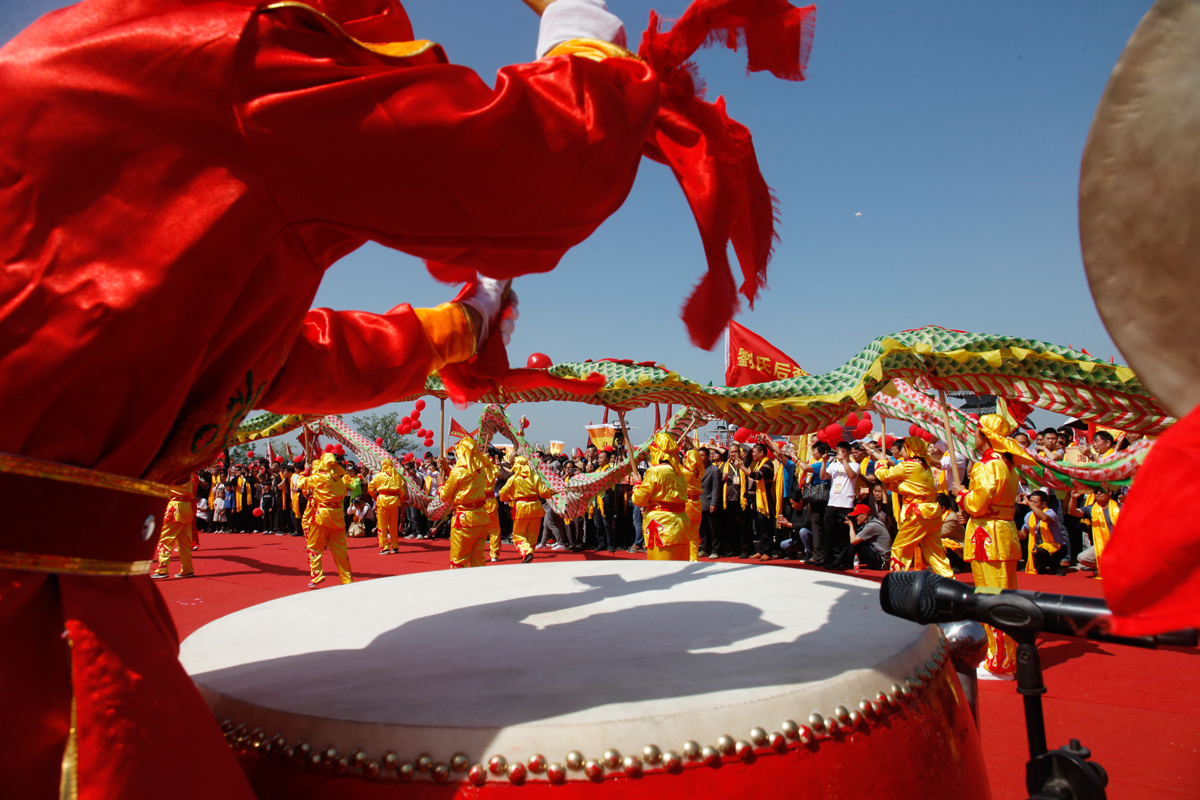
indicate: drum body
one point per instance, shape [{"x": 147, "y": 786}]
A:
[{"x": 590, "y": 679}]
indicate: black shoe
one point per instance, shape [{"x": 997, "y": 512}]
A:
[
  {"x": 612, "y": 551},
  {"x": 528, "y": 559},
  {"x": 744, "y": 554}
]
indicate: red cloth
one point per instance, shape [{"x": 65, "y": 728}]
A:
[
  {"x": 1151, "y": 566},
  {"x": 177, "y": 177},
  {"x": 711, "y": 155}
]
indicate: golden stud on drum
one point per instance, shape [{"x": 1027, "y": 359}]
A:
[{"x": 585, "y": 679}]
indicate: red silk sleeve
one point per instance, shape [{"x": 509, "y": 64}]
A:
[
  {"x": 344, "y": 361},
  {"x": 426, "y": 158}
]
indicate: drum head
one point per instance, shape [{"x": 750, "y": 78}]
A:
[
  {"x": 582, "y": 656},
  {"x": 1139, "y": 203}
]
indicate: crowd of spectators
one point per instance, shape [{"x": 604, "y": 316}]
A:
[{"x": 829, "y": 511}]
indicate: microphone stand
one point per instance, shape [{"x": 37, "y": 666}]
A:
[{"x": 1062, "y": 774}]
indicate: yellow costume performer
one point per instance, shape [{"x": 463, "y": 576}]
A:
[
  {"x": 525, "y": 490},
  {"x": 387, "y": 489},
  {"x": 466, "y": 490},
  {"x": 693, "y": 471},
  {"x": 918, "y": 542},
  {"x": 326, "y": 521},
  {"x": 1103, "y": 518},
  {"x": 492, "y": 508},
  {"x": 663, "y": 493},
  {"x": 177, "y": 528},
  {"x": 991, "y": 544}
]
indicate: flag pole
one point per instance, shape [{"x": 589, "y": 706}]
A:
[
  {"x": 442, "y": 432},
  {"x": 949, "y": 437}
]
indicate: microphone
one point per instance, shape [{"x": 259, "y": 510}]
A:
[{"x": 925, "y": 597}]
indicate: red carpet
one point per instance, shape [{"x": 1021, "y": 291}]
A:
[{"x": 1127, "y": 704}]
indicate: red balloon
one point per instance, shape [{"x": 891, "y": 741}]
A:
[
  {"x": 863, "y": 429},
  {"x": 406, "y": 420},
  {"x": 419, "y": 405},
  {"x": 930, "y": 437},
  {"x": 429, "y": 441},
  {"x": 742, "y": 435},
  {"x": 405, "y": 429},
  {"x": 341, "y": 451},
  {"x": 539, "y": 361},
  {"x": 916, "y": 430},
  {"x": 400, "y": 428},
  {"x": 833, "y": 434},
  {"x": 867, "y": 416},
  {"x": 379, "y": 441},
  {"x": 329, "y": 448},
  {"x": 257, "y": 512},
  {"x": 852, "y": 420},
  {"x": 298, "y": 459},
  {"x": 974, "y": 417}
]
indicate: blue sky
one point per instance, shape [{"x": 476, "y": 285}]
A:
[{"x": 956, "y": 129}]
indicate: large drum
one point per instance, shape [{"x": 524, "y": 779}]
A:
[{"x": 590, "y": 679}]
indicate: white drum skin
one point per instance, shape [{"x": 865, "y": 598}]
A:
[{"x": 610, "y": 677}]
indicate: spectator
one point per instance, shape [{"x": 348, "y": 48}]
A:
[
  {"x": 762, "y": 473},
  {"x": 869, "y": 540},
  {"x": 1044, "y": 533},
  {"x": 1102, "y": 508},
  {"x": 710, "y": 490},
  {"x": 832, "y": 547},
  {"x": 800, "y": 542}
]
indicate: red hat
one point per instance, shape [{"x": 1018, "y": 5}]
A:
[{"x": 860, "y": 509}]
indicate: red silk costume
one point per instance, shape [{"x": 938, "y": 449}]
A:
[{"x": 175, "y": 177}]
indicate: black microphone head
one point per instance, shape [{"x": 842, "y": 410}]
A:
[{"x": 910, "y": 595}]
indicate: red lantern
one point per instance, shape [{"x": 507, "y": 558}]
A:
[
  {"x": 419, "y": 405},
  {"x": 379, "y": 441},
  {"x": 833, "y": 434},
  {"x": 539, "y": 361},
  {"x": 852, "y": 420},
  {"x": 429, "y": 441},
  {"x": 257, "y": 512}
]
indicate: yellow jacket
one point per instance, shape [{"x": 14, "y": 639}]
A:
[
  {"x": 386, "y": 486},
  {"x": 692, "y": 473},
  {"x": 327, "y": 489},
  {"x": 663, "y": 493},
  {"x": 466, "y": 487},
  {"x": 524, "y": 490},
  {"x": 910, "y": 478},
  {"x": 992, "y": 533}
]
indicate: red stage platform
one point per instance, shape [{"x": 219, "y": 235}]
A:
[{"x": 1127, "y": 704}]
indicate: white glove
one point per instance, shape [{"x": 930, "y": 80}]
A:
[
  {"x": 564, "y": 20},
  {"x": 487, "y": 297}
]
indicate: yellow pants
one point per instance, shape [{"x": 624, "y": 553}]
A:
[
  {"x": 493, "y": 532},
  {"x": 674, "y": 552},
  {"x": 386, "y": 527},
  {"x": 525, "y": 534},
  {"x": 692, "y": 530},
  {"x": 468, "y": 546},
  {"x": 175, "y": 534},
  {"x": 1002, "y": 649},
  {"x": 318, "y": 537},
  {"x": 918, "y": 542}
]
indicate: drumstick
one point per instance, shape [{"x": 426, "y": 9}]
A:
[{"x": 538, "y": 6}]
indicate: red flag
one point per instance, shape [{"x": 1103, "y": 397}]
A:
[
  {"x": 749, "y": 358},
  {"x": 460, "y": 431}
]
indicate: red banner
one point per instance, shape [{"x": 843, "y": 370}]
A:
[{"x": 749, "y": 358}]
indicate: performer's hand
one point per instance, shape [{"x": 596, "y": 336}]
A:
[
  {"x": 485, "y": 304},
  {"x": 564, "y": 20},
  {"x": 962, "y": 519}
]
